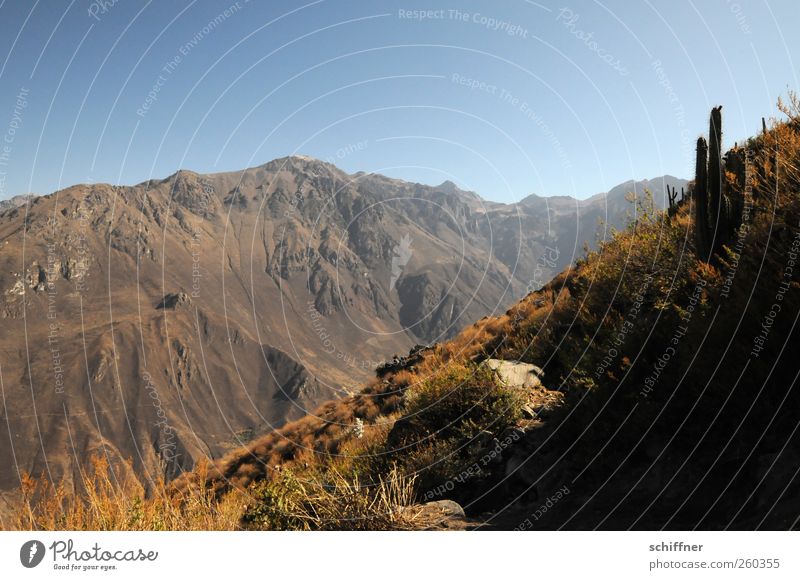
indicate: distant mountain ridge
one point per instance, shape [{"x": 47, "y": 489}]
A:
[{"x": 16, "y": 201}]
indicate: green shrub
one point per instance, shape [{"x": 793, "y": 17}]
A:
[{"x": 462, "y": 400}]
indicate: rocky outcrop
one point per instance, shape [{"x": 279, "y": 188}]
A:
[
  {"x": 173, "y": 300},
  {"x": 195, "y": 193},
  {"x": 399, "y": 363}
]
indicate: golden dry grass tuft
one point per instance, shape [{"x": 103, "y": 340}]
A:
[
  {"x": 332, "y": 500},
  {"x": 110, "y": 499}
]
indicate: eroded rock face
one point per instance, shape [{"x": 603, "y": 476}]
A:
[
  {"x": 173, "y": 300},
  {"x": 195, "y": 193},
  {"x": 36, "y": 277}
]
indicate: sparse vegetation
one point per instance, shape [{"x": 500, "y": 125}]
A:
[
  {"x": 109, "y": 498},
  {"x": 462, "y": 400},
  {"x": 332, "y": 501}
]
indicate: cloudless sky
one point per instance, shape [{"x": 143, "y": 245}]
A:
[{"x": 505, "y": 98}]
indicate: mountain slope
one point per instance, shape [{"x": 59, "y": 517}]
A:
[{"x": 178, "y": 318}]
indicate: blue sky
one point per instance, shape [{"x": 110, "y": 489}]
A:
[{"x": 505, "y": 98}]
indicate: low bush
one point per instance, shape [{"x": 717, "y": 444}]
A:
[{"x": 462, "y": 400}]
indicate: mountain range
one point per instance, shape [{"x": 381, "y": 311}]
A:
[{"x": 180, "y": 318}]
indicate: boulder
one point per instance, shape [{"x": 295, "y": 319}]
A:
[
  {"x": 445, "y": 507},
  {"x": 444, "y": 514},
  {"x": 516, "y": 374}
]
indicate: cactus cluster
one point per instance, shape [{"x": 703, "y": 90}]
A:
[
  {"x": 717, "y": 207},
  {"x": 672, "y": 198}
]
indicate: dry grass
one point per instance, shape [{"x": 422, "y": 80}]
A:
[
  {"x": 332, "y": 501},
  {"x": 111, "y": 500},
  {"x": 310, "y": 439}
]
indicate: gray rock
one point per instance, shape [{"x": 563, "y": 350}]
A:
[
  {"x": 445, "y": 507},
  {"x": 516, "y": 374}
]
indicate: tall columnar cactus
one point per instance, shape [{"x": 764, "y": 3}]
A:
[
  {"x": 716, "y": 211},
  {"x": 700, "y": 196}
]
